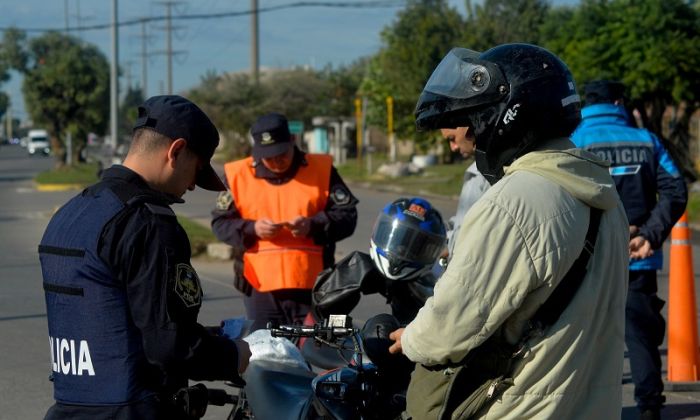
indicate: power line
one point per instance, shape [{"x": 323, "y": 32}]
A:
[{"x": 136, "y": 21}]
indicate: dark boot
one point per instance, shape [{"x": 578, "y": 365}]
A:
[{"x": 650, "y": 414}]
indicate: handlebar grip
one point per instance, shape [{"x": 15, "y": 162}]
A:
[{"x": 220, "y": 397}]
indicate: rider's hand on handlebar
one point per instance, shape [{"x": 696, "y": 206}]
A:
[{"x": 396, "y": 336}]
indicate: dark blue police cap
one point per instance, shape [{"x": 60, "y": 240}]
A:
[
  {"x": 176, "y": 117},
  {"x": 603, "y": 91},
  {"x": 271, "y": 136}
]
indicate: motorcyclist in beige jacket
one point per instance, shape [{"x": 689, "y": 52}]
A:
[{"x": 520, "y": 239}]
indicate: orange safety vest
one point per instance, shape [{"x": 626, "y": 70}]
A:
[{"x": 283, "y": 262}]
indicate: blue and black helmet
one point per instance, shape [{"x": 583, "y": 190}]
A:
[{"x": 407, "y": 239}]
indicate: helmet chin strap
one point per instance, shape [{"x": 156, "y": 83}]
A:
[
  {"x": 494, "y": 173},
  {"x": 491, "y": 174}
]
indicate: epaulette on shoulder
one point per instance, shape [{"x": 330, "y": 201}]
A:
[{"x": 159, "y": 210}]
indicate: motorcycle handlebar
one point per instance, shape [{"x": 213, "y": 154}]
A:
[
  {"x": 193, "y": 400},
  {"x": 316, "y": 331}
]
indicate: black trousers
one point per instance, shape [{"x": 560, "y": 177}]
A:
[
  {"x": 645, "y": 328},
  {"x": 284, "y": 307}
]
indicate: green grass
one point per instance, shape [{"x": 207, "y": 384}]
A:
[
  {"x": 694, "y": 208},
  {"x": 82, "y": 174},
  {"x": 199, "y": 235},
  {"x": 86, "y": 174},
  {"x": 441, "y": 179}
]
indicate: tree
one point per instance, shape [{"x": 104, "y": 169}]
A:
[
  {"x": 299, "y": 94},
  {"x": 4, "y": 104},
  {"x": 495, "y": 22},
  {"x": 412, "y": 47},
  {"x": 653, "y": 46},
  {"x": 11, "y": 56},
  {"x": 128, "y": 110},
  {"x": 234, "y": 101},
  {"x": 343, "y": 84},
  {"x": 66, "y": 89}
]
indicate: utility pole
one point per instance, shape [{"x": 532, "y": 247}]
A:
[
  {"x": 359, "y": 118},
  {"x": 144, "y": 60},
  {"x": 254, "y": 38},
  {"x": 390, "y": 128},
  {"x": 8, "y": 118},
  {"x": 78, "y": 20},
  {"x": 65, "y": 13},
  {"x": 113, "y": 78},
  {"x": 128, "y": 64},
  {"x": 168, "y": 43}
]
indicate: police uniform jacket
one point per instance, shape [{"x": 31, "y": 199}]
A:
[
  {"x": 337, "y": 221},
  {"x": 123, "y": 300},
  {"x": 649, "y": 183}
]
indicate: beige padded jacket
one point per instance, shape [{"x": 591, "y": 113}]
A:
[{"x": 515, "y": 245}]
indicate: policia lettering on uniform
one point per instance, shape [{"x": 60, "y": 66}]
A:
[
  {"x": 79, "y": 285},
  {"x": 627, "y": 158},
  {"x": 64, "y": 353}
]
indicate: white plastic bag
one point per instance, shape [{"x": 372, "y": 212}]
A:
[{"x": 266, "y": 348}]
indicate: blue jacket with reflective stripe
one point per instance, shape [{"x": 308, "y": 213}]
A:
[
  {"x": 97, "y": 354},
  {"x": 641, "y": 168}
]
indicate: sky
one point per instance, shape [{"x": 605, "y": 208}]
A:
[{"x": 289, "y": 36}]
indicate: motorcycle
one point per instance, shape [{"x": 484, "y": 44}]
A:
[
  {"x": 350, "y": 388},
  {"x": 363, "y": 389},
  {"x": 339, "y": 290}
]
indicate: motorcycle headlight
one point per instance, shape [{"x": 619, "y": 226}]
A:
[{"x": 331, "y": 390}]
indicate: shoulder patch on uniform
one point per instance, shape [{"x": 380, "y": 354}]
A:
[
  {"x": 160, "y": 210},
  {"x": 340, "y": 195},
  {"x": 224, "y": 200},
  {"x": 187, "y": 285}
]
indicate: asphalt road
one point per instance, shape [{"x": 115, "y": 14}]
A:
[{"x": 26, "y": 393}]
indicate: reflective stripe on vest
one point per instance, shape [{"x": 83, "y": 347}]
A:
[
  {"x": 96, "y": 352},
  {"x": 285, "y": 262}
]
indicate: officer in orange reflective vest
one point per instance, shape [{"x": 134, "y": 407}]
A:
[{"x": 284, "y": 213}]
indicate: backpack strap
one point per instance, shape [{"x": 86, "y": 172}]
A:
[{"x": 562, "y": 295}]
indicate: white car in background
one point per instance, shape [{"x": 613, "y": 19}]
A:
[{"x": 38, "y": 142}]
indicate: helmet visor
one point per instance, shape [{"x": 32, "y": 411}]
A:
[
  {"x": 405, "y": 241},
  {"x": 459, "y": 75}
]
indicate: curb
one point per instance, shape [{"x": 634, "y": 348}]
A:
[
  {"x": 681, "y": 386},
  {"x": 397, "y": 190},
  {"x": 58, "y": 187}
]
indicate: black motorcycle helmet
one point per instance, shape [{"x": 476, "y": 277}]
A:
[{"x": 513, "y": 96}]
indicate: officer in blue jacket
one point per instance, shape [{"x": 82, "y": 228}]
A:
[
  {"x": 122, "y": 298},
  {"x": 654, "y": 195}
]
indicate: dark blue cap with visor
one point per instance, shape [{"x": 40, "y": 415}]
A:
[{"x": 176, "y": 117}]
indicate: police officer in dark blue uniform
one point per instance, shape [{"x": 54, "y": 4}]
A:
[
  {"x": 654, "y": 195},
  {"x": 122, "y": 298}
]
